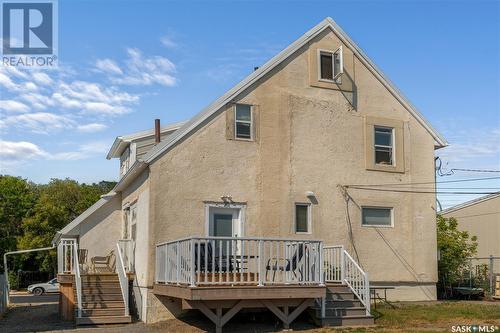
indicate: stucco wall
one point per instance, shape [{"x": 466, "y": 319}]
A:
[
  {"x": 104, "y": 224},
  {"x": 309, "y": 139},
  {"x": 138, "y": 193},
  {"x": 481, "y": 220}
]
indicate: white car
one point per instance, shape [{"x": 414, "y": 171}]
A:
[{"x": 48, "y": 287}]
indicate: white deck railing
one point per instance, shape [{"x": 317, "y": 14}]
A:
[
  {"x": 199, "y": 261},
  {"x": 341, "y": 267},
  {"x": 65, "y": 253},
  {"x": 122, "y": 276}
]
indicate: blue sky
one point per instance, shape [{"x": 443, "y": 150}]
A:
[{"x": 124, "y": 63}]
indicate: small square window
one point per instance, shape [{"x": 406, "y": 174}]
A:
[
  {"x": 376, "y": 216},
  {"x": 330, "y": 64},
  {"x": 384, "y": 145},
  {"x": 302, "y": 218},
  {"x": 243, "y": 121}
]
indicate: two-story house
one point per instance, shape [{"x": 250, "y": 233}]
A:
[{"x": 269, "y": 188}]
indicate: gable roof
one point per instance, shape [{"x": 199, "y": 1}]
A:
[
  {"x": 122, "y": 141},
  {"x": 327, "y": 23},
  {"x": 470, "y": 203}
]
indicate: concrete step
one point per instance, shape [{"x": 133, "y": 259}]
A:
[
  {"x": 348, "y": 321},
  {"x": 330, "y": 303},
  {"x": 113, "y": 312},
  {"x": 103, "y": 320},
  {"x": 335, "y": 296},
  {"x": 339, "y": 288},
  {"x": 103, "y": 304},
  {"x": 341, "y": 312}
]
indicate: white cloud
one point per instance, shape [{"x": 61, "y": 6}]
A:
[
  {"x": 141, "y": 70},
  {"x": 84, "y": 151},
  {"x": 40, "y": 122},
  {"x": 108, "y": 66},
  {"x": 13, "y": 106},
  {"x": 474, "y": 145},
  {"x": 11, "y": 151},
  {"x": 168, "y": 42},
  {"x": 42, "y": 78},
  {"x": 91, "y": 128}
]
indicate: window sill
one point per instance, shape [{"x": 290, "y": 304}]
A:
[
  {"x": 243, "y": 139},
  {"x": 385, "y": 168},
  {"x": 303, "y": 233},
  {"x": 378, "y": 226}
]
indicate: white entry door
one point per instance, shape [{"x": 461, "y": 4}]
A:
[{"x": 224, "y": 222}]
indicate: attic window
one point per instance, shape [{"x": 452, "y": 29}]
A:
[
  {"x": 331, "y": 65},
  {"x": 384, "y": 145},
  {"x": 243, "y": 122}
]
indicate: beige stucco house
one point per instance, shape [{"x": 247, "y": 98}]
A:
[
  {"x": 481, "y": 218},
  {"x": 277, "y": 157}
]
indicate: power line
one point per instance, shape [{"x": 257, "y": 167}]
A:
[
  {"x": 457, "y": 217},
  {"x": 473, "y": 170},
  {"x": 410, "y": 191},
  {"x": 424, "y": 183}
]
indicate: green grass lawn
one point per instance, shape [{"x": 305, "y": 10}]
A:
[{"x": 430, "y": 317}]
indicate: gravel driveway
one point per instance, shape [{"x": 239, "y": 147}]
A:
[{"x": 30, "y": 313}]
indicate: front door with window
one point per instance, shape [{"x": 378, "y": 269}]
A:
[{"x": 224, "y": 222}]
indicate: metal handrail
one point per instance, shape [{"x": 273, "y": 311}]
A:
[{"x": 122, "y": 276}]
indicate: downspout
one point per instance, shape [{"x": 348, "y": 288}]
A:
[{"x": 17, "y": 252}]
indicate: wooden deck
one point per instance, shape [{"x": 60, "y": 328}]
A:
[{"x": 285, "y": 301}]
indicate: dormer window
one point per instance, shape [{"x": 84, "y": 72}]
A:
[{"x": 331, "y": 64}]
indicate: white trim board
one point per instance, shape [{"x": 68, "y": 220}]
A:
[{"x": 232, "y": 94}]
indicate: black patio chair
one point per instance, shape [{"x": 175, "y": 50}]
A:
[
  {"x": 214, "y": 264},
  {"x": 287, "y": 265}
]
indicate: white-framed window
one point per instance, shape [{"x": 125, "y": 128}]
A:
[
  {"x": 384, "y": 145},
  {"x": 302, "y": 218},
  {"x": 243, "y": 122},
  {"x": 377, "y": 216},
  {"x": 330, "y": 65},
  {"x": 124, "y": 162}
]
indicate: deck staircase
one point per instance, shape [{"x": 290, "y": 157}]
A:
[
  {"x": 102, "y": 300},
  {"x": 342, "y": 308}
]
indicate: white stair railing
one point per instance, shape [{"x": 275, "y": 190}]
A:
[
  {"x": 127, "y": 250},
  {"x": 122, "y": 276},
  {"x": 340, "y": 267},
  {"x": 78, "y": 278}
]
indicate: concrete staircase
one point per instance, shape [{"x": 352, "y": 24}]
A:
[
  {"x": 102, "y": 300},
  {"x": 342, "y": 308}
]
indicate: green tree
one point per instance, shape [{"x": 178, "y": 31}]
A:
[
  {"x": 17, "y": 199},
  {"x": 60, "y": 202},
  {"x": 454, "y": 247}
]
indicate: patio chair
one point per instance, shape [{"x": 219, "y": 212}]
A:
[
  {"x": 286, "y": 265},
  {"x": 104, "y": 264},
  {"x": 213, "y": 263}
]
